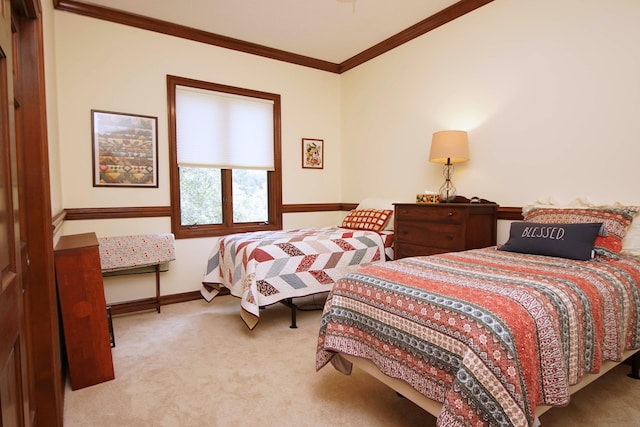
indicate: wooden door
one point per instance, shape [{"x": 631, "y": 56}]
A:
[{"x": 14, "y": 402}]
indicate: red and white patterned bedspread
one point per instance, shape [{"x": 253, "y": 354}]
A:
[
  {"x": 491, "y": 334},
  {"x": 263, "y": 268}
]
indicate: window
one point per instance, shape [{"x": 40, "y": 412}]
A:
[{"x": 224, "y": 154}]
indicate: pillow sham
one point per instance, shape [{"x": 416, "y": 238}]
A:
[
  {"x": 616, "y": 220},
  {"x": 631, "y": 240},
  {"x": 381, "y": 204},
  {"x": 572, "y": 241},
  {"x": 367, "y": 219}
]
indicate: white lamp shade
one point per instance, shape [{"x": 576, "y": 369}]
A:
[{"x": 450, "y": 145}]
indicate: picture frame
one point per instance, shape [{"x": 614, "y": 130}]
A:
[
  {"x": 312, "y": 153},
  {"x": 125, "y": 149}
]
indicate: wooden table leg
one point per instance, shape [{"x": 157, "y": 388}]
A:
[{"x": 158, "y": 288}]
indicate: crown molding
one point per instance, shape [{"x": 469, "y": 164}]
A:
[{"x": 169, "y": 28}]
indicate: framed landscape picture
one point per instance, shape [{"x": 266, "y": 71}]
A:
[
  {"x": 312, "y": 153},
  {"x": 125, "y": 149}
]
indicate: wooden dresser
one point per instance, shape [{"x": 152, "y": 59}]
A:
[
  {"x": 432, "y": 228},
  {"x": 83, "y": 309}
]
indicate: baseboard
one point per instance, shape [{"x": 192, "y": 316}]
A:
[
  {"x": 178, "y": 298},
  {"x": 150, "y": 303}
]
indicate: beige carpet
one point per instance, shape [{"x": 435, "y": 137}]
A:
[{"x": 196, "y": 364}]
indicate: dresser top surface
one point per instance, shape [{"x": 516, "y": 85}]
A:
[
  {"x": 446, "y": 205},
  {"x": 75, "y": 241}
]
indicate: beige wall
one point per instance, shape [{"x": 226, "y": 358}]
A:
[
  {"x": 105, "y": 66},
  {"x": 111, "y": 67},
  {"x": 48, "y": 29},
  {"x": 549, "y": 92}
]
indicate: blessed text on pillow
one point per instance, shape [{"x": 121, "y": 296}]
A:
[{"x": 572, "y": 241}]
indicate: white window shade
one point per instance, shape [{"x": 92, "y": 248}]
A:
[{"x": 221, "y": 130}]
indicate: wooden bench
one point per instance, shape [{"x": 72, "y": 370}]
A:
[{"x": 138, "y": 253}]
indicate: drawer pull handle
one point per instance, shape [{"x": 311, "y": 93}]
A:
[
  {"x": 450, "y": 213},
  {"x": 450, "y": 236}
]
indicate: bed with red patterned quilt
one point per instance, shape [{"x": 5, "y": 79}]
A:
[
  {"x": 495, "y": 336},
  {"x": 488, "y": 333}
]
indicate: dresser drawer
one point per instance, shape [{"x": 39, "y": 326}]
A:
[
  {"x": 445, "y": 236},
  {"x": 404, "y": 250},
  {"x": 429, "y": 229},
  {"x": 440, "y": 214}
]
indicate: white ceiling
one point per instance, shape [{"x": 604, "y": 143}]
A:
[{"x": 330, "y": 30}]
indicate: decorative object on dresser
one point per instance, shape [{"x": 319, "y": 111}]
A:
[
  {"x": 84, "y": 310},
  {"x": 428, "y": 198},
  {"x": 448, "y": 147},
  {"x": 433, "y": 228}
]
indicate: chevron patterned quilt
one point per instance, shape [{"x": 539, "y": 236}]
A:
[
  {"x": 263, "y": 268},
  {"x": 490, "y": 334}
]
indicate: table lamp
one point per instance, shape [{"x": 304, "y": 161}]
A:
[{"x": 449, "y": 147}]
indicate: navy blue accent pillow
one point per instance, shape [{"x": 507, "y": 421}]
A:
[{"x": 573, "y": 241}]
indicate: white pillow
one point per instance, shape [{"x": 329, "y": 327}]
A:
[
  {"x": 373, "y": 203},
  {"x": 550, "y": 202},
  {"x": 631, "y": 240}
]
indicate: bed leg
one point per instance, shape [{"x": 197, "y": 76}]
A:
[
  {"x": 294, "y": 308},
  {"x": 635, "y": 366},
  {"x": 293, "y": 317}
]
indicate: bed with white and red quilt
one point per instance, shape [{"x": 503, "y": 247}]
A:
[
  {"x": 264, "y": 268},
  {"x": 494, "y": 336}
]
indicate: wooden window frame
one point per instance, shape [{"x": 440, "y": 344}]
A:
[{"x": 274, "y": 178}]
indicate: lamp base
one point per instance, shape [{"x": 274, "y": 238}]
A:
[
  {"x": 447, "y": 194},
  {"x": 447, "y": 190}
]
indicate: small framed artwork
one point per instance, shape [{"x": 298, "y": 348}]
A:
[
  {"x": 312, "y": 153},
  {"x": 125, "y": 149}
]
